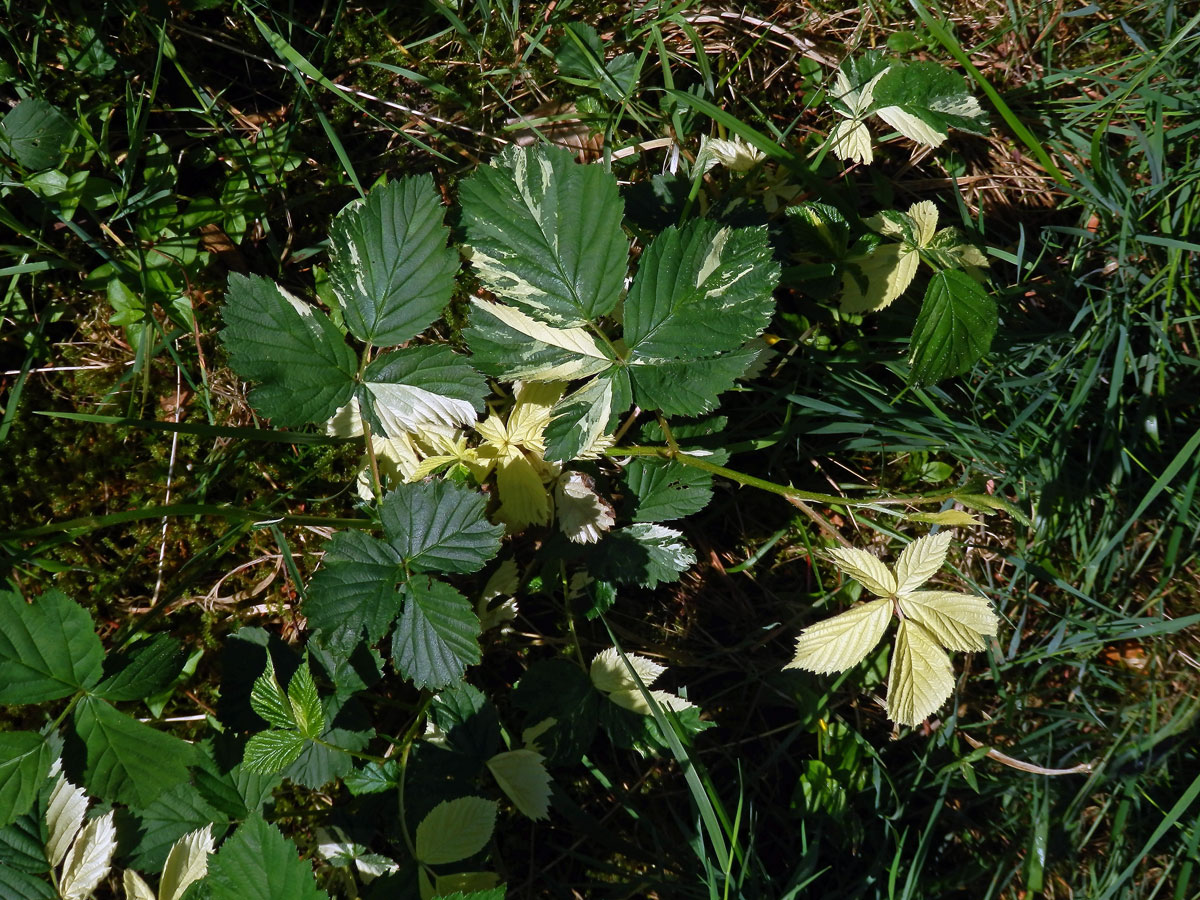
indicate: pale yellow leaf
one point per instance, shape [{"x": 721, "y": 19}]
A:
[
  {"x": 635, "y": 701},
  {"x": 583, "y": 516},
  {"x": 911, "y": 127},
  {"x": 64, "y": 815},
  {"x": 953, "y": 517},
  {"x": 924, "y": 216},
  {"x": 524, "y": 499},
  {"x": 522, "y": 775},
  {"x": 608, "y": 672},
  {"x": 89, "y": 859},
  {"x": 346, "y": 422},
  {"x": 889, "y": 270},
  {"x": 187, "y": 862},
  {"x": 865, "y": 568},
  {"x": 921, "y": 679},
  {"x": 850, "y": 141},
  {"x": 403, "y": 407},
  {"x": 836, "y": 644},
  {"x": 531, "y": 413},
  {"x": 921, "y": 560},
  {"x": 735, "y": 155},
  {"x": 455, "y": 829},
  {"x": 957, "y": 621},
  {"x": 135, "y": 886}
]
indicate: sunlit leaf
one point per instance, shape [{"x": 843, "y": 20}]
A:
[
  {"x": 506, "y": 342},
  {"x": 259, "y": 863},
  {"x": 609, "y": 673},
  {"x": 921, "y": 679},
  {"x": 64, "y": 816},
  {"x": 956, "y": 621},
  {"x": 836, "y": 644},
  {"x": 522, "y": 775},
  {"x": 89, "y": 858},
  {"x": 865, "y": 568},
  {"x": 187, "y": 862},
  {"x": 921, "y": 560},
  {"x": 48, "y": 648}
]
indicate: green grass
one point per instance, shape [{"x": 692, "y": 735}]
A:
[{"x": 1083, "y": 415}]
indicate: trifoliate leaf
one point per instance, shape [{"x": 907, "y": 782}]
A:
[
  {"x": 48, "y": 648},
  {"x": 89, "y": 859},
  {"x": 609, "y": 673},
  {"x": 187, "y": 862},
  {"x": 455, "y": 830},
  {"x": 666, "y": 489},
  {"x": 295, "y": 354},
  {"x": 954, "y": 330},
  {"x": 545, "y": 234},
  {"x": 921, "y": 560},
  {"x": 579, "y": 420},
  {"x": 921, "y": 679},
  {"x": 688, "y": 387},
  {"x": 700, "y": 290},
  {"x": 421, "y": 387},
  {"x": 259, "y": 863},
  {"x": 956, "y": 621},
  {"x": 583, "y": 515},
  {"x": 355, "y": 588},
  {"x": 522, "y": 775},
  {"x": 506, "y": 342},
  {"x": 949, "y": 517},
  {"x": 127, "y": 761},
  {"x": 150, "y": 667},
  {"x": 865, "y": 568},
  {"x": 436, "y": 637},
  {"x": 836, "y": 644},
  {"x": 135, "y": 886},
  {"x": 439, "y": 527},
  {"x": 391, "y": 269},
  {"x": 25, "y": 759},
  {"x": 269, "y": 701},
  {"x": 931, "y": 95},
  {"x": 64, "y": 815},
  {"x": 642, "y": 553}
]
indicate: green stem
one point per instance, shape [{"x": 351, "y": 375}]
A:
[
  {"x": 90, "y": 523},
  {"x": 406, "y": 746}
]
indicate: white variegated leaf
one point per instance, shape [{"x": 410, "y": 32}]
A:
[
  {"x": 911, "y": 127},
  {"x": 135, "y": 886},
  {"x": 89, "y": 859},
  {"x": 866, "y": 569},
  {"x": 584, "y": 357},
  {"x": 608, "y": 672},
  {"x": 925, "y": 217},
  {"x": 921, "y": 560},
  {"x": 64, "y": 815},
  {"x": 836, "y": 644},
  {"x": 635, "y": 701},
  {"x": 921, "y": 679},
  {"x": 583, "y": 515},
  {"x": 186, "y": 862},
  {"x": 522, "y": 775},
  {"x": 963, "y": 105},
  {"x": 403, "y": 407},
  {"x": 889, "y": 270},
  {"x": 957, "y": 621},
  {"x": 850, "y": 141}
]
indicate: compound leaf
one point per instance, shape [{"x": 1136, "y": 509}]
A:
[
  {"x": 455, "y": 830},
  {"x": 506, "y": 342},
  {"x": 127, "y": 761},
  {"x": 920, "y": 679},
  {"x": 437, "y": 635},
  {"x": 439, "y": 527},
  {"x": 299, "y": 359},
  {"x": 700, "y": 290},
  {"x": 545, "y": 234},
  {"x": 417, "y": 387},
  {"x": 836, "y": 644},
  {"x": 259, "y": 863},
  {"x": 48, "y": 648},
  {"x": 921, "y": 560},
  {"x": 954, "y": 330},
  {"x": 956, "y": 621},
  {"x": 25, "y": 760},
  {"x": 355, "y": 588},
  {"x": 391, "y": 269}
]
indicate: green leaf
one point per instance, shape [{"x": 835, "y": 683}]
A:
[
  {"x": 953, "y": 517},
  {"x": 48, "y": 648},
  {"x": 933, "y": 96},
  {"x": 437, "y": 635},
  {"x": 34, "y": 133},
  {"x": 439, "y": 527},
  {"x": 305, "y": 703},
  {"x": 506, "y": 342},
  {"x": 259, "y": 863},
  {"x": 355, "y": 589},
  {"x": 147, "y": 669},
  {"x": 413, "y": 388},
  {"x": 920, "y": 679},
  {"x": 292, "y": 350},
  {"x": 25, "y": 760},
  {"x": 522, "y": 775},
  {"x": 269, "y": 752},
  {"x": 642, "y": 554},
  {"x": 859, "y": 72},
  {"x": 836, "y": 644},
  {"x": 127, "y": 761},
  {"x": 559, "y": 690},
  {"x": 954, "y": 330},
  {"x": 688, "y": 387},
  {"x": 269, "y": 701},
  {"x": 700, "y": 290},
  {"x": 390, "y": 268},
  {"x": 545, "y": 234},
  {"x": 176, "y": 812},
  {"x": 578, "y": 420},
  {"x": 319, "y": 765},
  {"x": 455, "y": 830},
  {"x": 666, "y": 489},
  {"x": 24, "y": 872}
]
